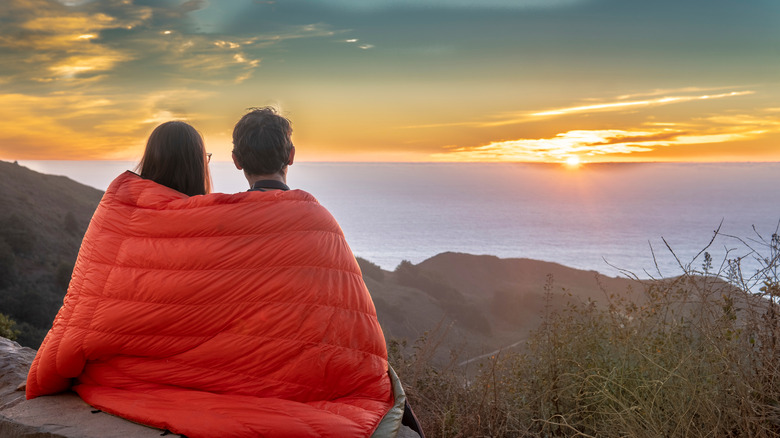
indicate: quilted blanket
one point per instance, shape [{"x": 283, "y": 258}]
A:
[{"x": 218, "y": 315}]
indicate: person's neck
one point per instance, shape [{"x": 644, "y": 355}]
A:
[{"x": 279, "y": 176}]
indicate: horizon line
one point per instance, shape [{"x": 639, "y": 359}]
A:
[{"x": 563, "y": 163}]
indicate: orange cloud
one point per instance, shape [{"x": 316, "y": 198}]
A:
[
  {"x": 72, "y": 66},
  {"x": 590, "y": 145},
  {"x": 555, "y": 149},
  {"x": 667, "y": 91},
  {"x": 619, "y": 105},
  {"x": 60, "y": 44},
  {"x": 651, "y": 102},
  {"x": 76, "y": 23},
  {"x": 86, "y": 126}
]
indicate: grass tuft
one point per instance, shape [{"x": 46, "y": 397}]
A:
[{"x": 697, "y": 355}]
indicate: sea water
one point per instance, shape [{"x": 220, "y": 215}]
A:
[{"x": 612, "y": 218}]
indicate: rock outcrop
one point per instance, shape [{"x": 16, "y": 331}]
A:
[{"x": 63, "y": 415}]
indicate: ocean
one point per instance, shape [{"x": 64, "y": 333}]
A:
[{"x": 610, "y": 218}]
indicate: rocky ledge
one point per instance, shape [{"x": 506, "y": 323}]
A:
[{"x": 63, "y": 415}]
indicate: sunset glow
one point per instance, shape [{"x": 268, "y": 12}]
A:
[{"x": 500, "y": 80}]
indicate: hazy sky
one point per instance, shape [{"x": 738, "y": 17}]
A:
[{"x": 398, "y": 80}]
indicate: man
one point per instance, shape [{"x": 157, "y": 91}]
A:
[{"x": 263, "y": 150}]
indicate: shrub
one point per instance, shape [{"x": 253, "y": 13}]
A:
[
  {"x": 17, "y": 233},
  {"x": 371, "y": 270},
  {"x": 7, "y": 328},
  {"x": 7, "y": 264},
  {"x": 70, "y": 224},
  {"x": 698, "y": 356},
  {"x": 62, "y": 275}
]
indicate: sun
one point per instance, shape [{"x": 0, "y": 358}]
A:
[{"x": 573, "y": 161}]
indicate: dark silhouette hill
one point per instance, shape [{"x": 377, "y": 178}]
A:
[{"x": 42, "y": 222}]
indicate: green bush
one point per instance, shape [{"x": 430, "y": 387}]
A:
[{"x": 7, "y": 328}]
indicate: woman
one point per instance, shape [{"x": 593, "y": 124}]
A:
[{"x": 175, "y": 157}]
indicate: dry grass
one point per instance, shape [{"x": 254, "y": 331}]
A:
[{"x": 698, "y": 356}]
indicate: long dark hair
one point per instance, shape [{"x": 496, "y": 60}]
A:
[{"x": 175, "y": 157}]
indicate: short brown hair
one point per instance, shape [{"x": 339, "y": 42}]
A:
[
  {"x": 176, "y": 157},
  {"x": 261, "y": 141}
]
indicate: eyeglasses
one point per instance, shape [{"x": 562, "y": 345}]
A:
[{"x": 208, "y": 157}]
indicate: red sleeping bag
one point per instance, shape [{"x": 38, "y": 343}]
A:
[{"x": 218, "y": 316}]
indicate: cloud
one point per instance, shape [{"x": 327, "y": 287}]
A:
[
  {"x": 33, "y": 127},
  {"x": 74, "y": 2},
  {"x": 557, "y": 148},
  {"x": 227, "y": 44},
  {"x": 667, "y": 91},
  {"x": 360, "y": 46},
  {"x": 595, "y": 145},
  {"x": 81, "y": 125},
  {"x": 193, "y": 5},
  {"x": 216, "y": 59},
  {"x": 612, "y": 106},
  {"x": 73, "y": 66},
  {"x": 620, "y": 104},
  {"x": 46, "y": 41},
  {"x": 196, "y": 58}
]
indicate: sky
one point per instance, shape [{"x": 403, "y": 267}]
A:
[{"x": 398, "y": 80}]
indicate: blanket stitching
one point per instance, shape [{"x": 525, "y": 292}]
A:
[
  {"x": 167, "y": 202},
  {"x": 231, "y": 333},
  {"x": 338, "y": 233},
  {"x": 254, "y": 268},
  {"x": 178, "y": 361},
  {"x": 235, "y": 303}
]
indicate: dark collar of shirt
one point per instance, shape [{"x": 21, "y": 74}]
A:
[{"x": 268, "y": 184}]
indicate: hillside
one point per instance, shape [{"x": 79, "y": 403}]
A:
[
  {"x": 42, "y": 221},
  {"x": 478, "y": 303}
]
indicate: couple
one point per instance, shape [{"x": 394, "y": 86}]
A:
[{"x": 221, "y": 315}]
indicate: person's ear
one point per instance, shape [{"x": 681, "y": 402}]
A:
[
  {"x": 235, "y": 161},
  {"x": 292, "y": 156}
]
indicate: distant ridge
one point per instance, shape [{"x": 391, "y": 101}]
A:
[{"x": 482, "y": 302}]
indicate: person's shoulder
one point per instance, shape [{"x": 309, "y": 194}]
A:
[
  {"x": 280, "y": 195},
  {"x": 275, "y": 199},
  {"x": 302, "y": 195},
  {"x": 271, "y": 197}
]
